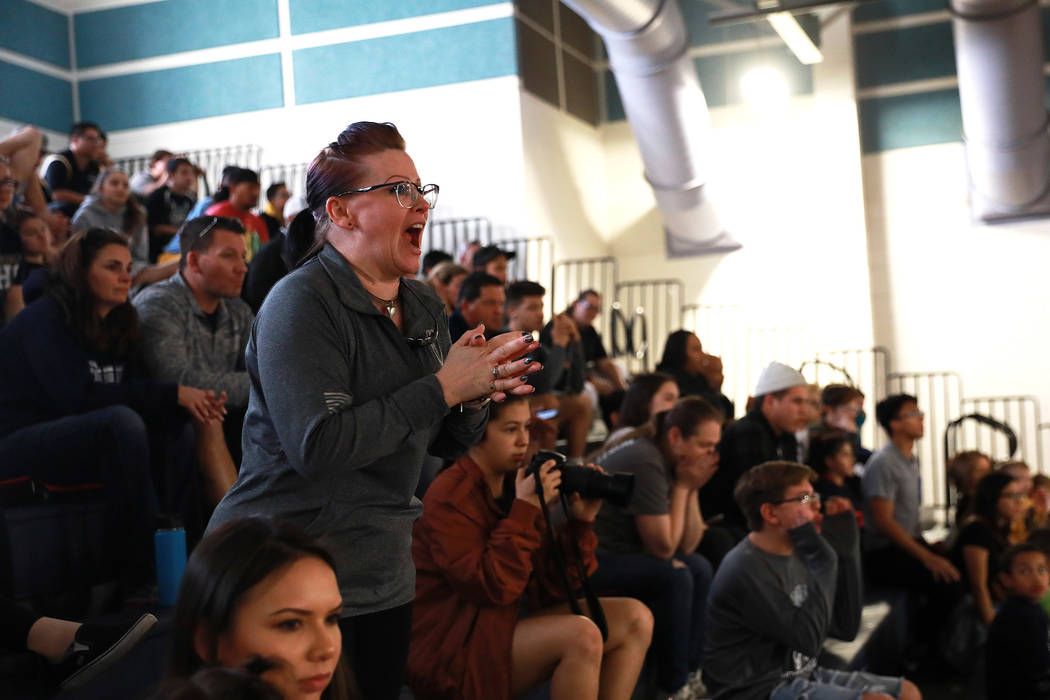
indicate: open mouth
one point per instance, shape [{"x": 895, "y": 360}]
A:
[{"x": 415, "y": 235}]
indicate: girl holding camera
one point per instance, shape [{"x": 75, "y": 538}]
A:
[{"x": 489, "y": 618}]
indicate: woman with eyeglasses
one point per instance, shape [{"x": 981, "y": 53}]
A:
[
  {"x": 354, "y": 380},
  {"x": 76, "y": 408},
  {"x": 648, "y": 549}
]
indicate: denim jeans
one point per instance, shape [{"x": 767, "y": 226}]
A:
[
  {"x": 112, "y": 446},
  {"x": 677, "y": 596}
]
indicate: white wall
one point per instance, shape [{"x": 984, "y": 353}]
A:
[
  {"x": 788, "y": 186},
  {"x": 565, "y": 180},
  {"x": 466, "y": 137},
  {"x": 949, "y": 294}
]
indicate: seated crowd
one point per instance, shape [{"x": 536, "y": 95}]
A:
[{"x": 132, "y": 355}]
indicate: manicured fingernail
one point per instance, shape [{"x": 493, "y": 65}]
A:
[
  {"x": 524, "y": 379},
  {"x": 527, "y": 337},
  {"x": 528, "y": 360},
  {"x": 478, "y": 336}
]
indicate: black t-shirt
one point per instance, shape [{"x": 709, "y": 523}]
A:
[
  {"x": 10, "y": 241},
  {"x": 63, "y": 174},
  {"x": 978, "y": 533},
  {"x": 591, "y": 340},
  {"x": 164, "y": 207},
  {"x": 1018, "y": 652},
  {"x": 849, "y": 490}
]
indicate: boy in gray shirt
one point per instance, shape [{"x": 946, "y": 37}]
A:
[{"x": 780, "y": 592}]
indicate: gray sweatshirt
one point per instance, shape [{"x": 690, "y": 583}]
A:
[
  {"x": 768, "y": 615},
  {"x": 179, "y": 345},
  {"x": 343, "y": 409},
  {"x": 93, "y": 214}
]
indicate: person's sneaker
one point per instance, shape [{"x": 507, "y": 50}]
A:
[
  {"x": 97, "y": 647},
  {"x": 696, "y": 685}
]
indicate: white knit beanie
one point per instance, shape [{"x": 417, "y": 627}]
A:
[{"x": 777, "y": 377}]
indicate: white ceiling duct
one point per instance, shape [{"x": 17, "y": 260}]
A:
[
  {"x": 999, "y": 54},
  {"x": 648, "y": 53}
]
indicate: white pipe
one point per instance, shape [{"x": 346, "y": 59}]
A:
[
  {"x": 648, "y": 53},
  {"x": 999, "y": 54}
]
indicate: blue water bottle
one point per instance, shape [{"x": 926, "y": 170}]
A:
[{"x": 170, "y": 547}]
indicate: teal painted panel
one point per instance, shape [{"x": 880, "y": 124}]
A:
[
  {"x": 178, "y": 94},
  {"x": 904, "y": 55},
  {"x": 318, "y": 15},
  {"x": 36, "y": 31},
  {"x": 42, "y": 100},
  {"x": 171, "y": 26},
  {"x": 909, "y": 120},
  {"x": 720, "y": 77},
  {"x": 886, "y": 9},
  {"x": 421, "y": 59}
]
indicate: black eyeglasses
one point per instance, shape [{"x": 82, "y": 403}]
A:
[
  {"x": 805, "y": 499},
  {"x": 407, "y": 193}
]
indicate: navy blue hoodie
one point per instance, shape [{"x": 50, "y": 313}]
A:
[{"x": 46, "y": 373}]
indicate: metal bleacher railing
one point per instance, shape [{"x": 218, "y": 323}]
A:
[
  {"x": 210, "y": 160},
  {"x": 650, "y": 310},
  {"x": 570, "y": 277},
  {"x": 1021, "y": 413}
]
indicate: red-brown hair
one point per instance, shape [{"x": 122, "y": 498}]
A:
[{"x": 338, "y": 168}]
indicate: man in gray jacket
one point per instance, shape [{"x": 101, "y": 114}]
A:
[{"x": 195, "y": 326}]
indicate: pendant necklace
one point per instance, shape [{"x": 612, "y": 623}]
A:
[{"x": 390, "y": 304}]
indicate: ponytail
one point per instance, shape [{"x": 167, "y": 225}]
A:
[{"x": 301, "y": 241}]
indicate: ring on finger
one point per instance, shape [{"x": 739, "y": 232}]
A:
[
  {"x": 495, "y": 371},
  {"x": 492, "y": 386}
]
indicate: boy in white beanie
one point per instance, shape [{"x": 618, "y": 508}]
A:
[{"x": 766, "y": 433}]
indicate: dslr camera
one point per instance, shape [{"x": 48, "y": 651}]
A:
[{"x": 589, "y": 483}]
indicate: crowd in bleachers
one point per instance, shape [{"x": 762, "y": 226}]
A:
[{"x": 274, "y": 383}]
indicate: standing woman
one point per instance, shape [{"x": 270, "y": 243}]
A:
[
  {"x": 111, "y": 206},
  {"x": 353, "y": 381}
]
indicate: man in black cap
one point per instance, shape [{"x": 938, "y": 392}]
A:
[{"x": 493, "y": 260}]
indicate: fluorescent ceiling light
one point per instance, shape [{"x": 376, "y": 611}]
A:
[{"x": 795, "y": 37}]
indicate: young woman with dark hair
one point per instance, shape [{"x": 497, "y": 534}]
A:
[
  {"x": 998, "y": 503},
  {"x": 646, "y": 395},
  {"x": 490, "y": 620},
  {"x": 75, "y": 407},
  {"x": 697, "y": 373},
  {"x": 832, "y": 457},
  {"x": 38, "y": 250},
  {"x": 354, "y": 380},
  {"x": 262, "y": 590},
  {"x": 236, "y": 199},
  {"x": 112, "y": 206},
  {"x": 648, "y": 549}
]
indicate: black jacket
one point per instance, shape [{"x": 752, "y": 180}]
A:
[{"x": 746, "y": 443}]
